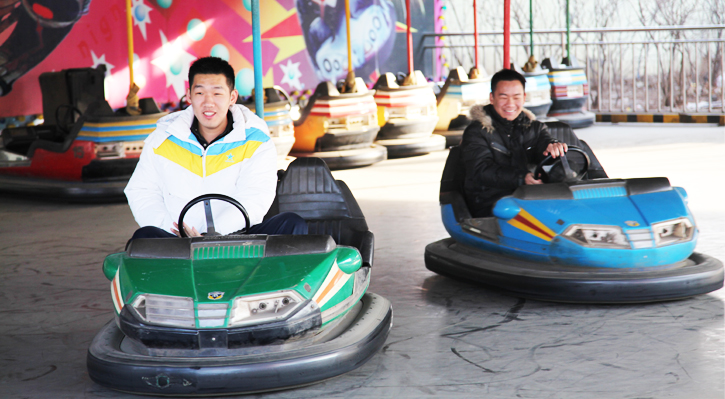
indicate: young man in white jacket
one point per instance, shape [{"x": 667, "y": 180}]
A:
[{"x": 213, "y": 147}]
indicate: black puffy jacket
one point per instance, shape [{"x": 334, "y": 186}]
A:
[{"x": 496, "y": 153}]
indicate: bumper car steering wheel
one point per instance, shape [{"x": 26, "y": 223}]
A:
[
  {"x": 210, "y": 231},
  {"x": 547, "y": 176}
]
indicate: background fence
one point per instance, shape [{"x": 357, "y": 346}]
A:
[{"x": 657, "y": 69}]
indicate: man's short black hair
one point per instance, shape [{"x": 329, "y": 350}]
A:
[
  {"x": 212, "y": 66},
  {"x": 507, "y": 75}
]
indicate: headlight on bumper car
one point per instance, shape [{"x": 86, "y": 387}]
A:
[
  {"x": 165, "y": 310},
  {"x": 672, "y": 231},
  {"x": 265, "y": 308},
  {"x": 597, "y": 236}
]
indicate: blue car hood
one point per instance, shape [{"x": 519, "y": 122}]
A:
[{"x": 635, "y": 211}]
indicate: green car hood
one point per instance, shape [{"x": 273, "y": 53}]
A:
[{"x": 203, "y": 269}]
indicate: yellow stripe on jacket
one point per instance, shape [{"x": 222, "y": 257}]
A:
[
  {"x": 189, "y": 157},
  {"x": 181, "y": 156},
  {"x": 216, "y": 163}
]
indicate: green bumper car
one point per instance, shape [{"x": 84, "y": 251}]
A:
[{"x": 220, "y": 315}]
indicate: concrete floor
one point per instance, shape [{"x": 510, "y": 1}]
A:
[{"x": 450, "y": 338}]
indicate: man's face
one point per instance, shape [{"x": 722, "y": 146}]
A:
[
  {"x": 210, "y": 99},
  {"x": 508, "y": 99}
]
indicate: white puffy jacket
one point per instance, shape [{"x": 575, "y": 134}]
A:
[{"x": 174, "y": 169}]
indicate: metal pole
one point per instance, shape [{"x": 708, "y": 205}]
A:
[
  {"x": 611, "y": 80},
  {"x": 621, "y": 77},
  {"x": 257, "y": 53},
  {"x": 586, "y": 61},
  {"x": 568, "y": 30},
  {"x": 634, "y": 81},
  {"x": 697, "y": 77},
  {"x": 672, "y": 78},
  {"x": 646, "y": 79},
  {"x": 684, "y": 89},
  {"x": 435, "y": 62},
  {"x": 659, "y": 77},
  {"x": 506, "y": 34},
  {"x": 600, "y": 92},
  {"x": 408, "y": 35},
  {"x": 531, "y": 26},
  {"x": 349, "y": 45},
  {"x": 709, "y": 80},
  {"x": 475, "y": 34},
  {"x": 129, "y": 32}
]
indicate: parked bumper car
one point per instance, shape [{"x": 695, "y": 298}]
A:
[
  {"x": 538, "y": 89},
  {"x": 455, "y": 99},
  {"x": 569, "y": 92},
  {"x": 407, "y": 115},
  {"x": 83, "y": 151},
  {"x": 339, "y": 127},
  {"x": 277, "y": 108},
  {"x": 582, "y": 237},
  {"x": 246, "y": 313}
]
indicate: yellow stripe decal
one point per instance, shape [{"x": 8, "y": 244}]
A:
[
  {"x": 124, "y": 123},
  {"x": 138, "y": 132},
  {"x": 531, "y": 225}
]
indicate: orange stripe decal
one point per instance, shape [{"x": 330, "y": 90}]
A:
[
  {"x": 338, "y": 275},
  {"x": 115, "y": 289}
]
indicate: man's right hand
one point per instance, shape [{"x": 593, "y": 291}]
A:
[
  {"x": 190, "y": 232},
  {"x": 529, "y": 179}
]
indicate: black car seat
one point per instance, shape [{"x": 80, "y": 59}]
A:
[
  {"x": 564, "y": 133},
  {"x": 308, "y": 189},
  {"x": 452, "y": 191},
  {"x": 68, "y": 97}
]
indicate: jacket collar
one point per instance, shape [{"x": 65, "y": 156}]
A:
[
  {"x": 178, "y": 124},
  {"x": 478, "y": 113}
]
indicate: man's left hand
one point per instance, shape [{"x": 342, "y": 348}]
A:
[{"x": 556, "y": 149}]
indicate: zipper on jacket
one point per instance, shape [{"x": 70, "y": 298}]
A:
[
  {"x": 203, "y": 161},
  {"x": 500, "y": 148}
]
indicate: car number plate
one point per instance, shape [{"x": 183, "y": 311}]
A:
[
  {"x": 413, "y": 113},
  {"x": 354, "y": 121},
  {"x": 575, "y": 91}
]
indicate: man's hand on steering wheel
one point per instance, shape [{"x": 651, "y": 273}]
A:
[
  {"x": 190, "y": 232},
  {"x": 530, "y": 179},
  {"x": 545, "y": 175},
  {"x": 556, "y": 149}
]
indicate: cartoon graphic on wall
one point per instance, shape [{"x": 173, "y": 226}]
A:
[
  {"x": 323, "y": 21},
  {"x": 303, "y": 42},
  {"x": 30, "y": 30}
]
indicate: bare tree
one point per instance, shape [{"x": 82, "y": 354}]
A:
[{"x": 669, "y": 12}]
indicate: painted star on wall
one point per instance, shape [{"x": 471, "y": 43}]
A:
[
  {"x": 175, "y": 62},
  {"x": 292, "y": 75},
  {"x": 140, "y": 12},
  {"x": 101, "y": 60}
]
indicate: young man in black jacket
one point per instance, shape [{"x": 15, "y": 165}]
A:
[{"x": 500, "y": 142}]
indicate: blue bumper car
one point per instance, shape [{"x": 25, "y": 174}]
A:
[{"x": 581, "y": 237}]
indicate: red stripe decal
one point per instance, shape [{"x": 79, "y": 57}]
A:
[{"x": 532, "y": 226}]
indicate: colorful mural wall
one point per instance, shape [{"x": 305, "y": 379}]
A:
[{"x": 303, "y": 42}]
